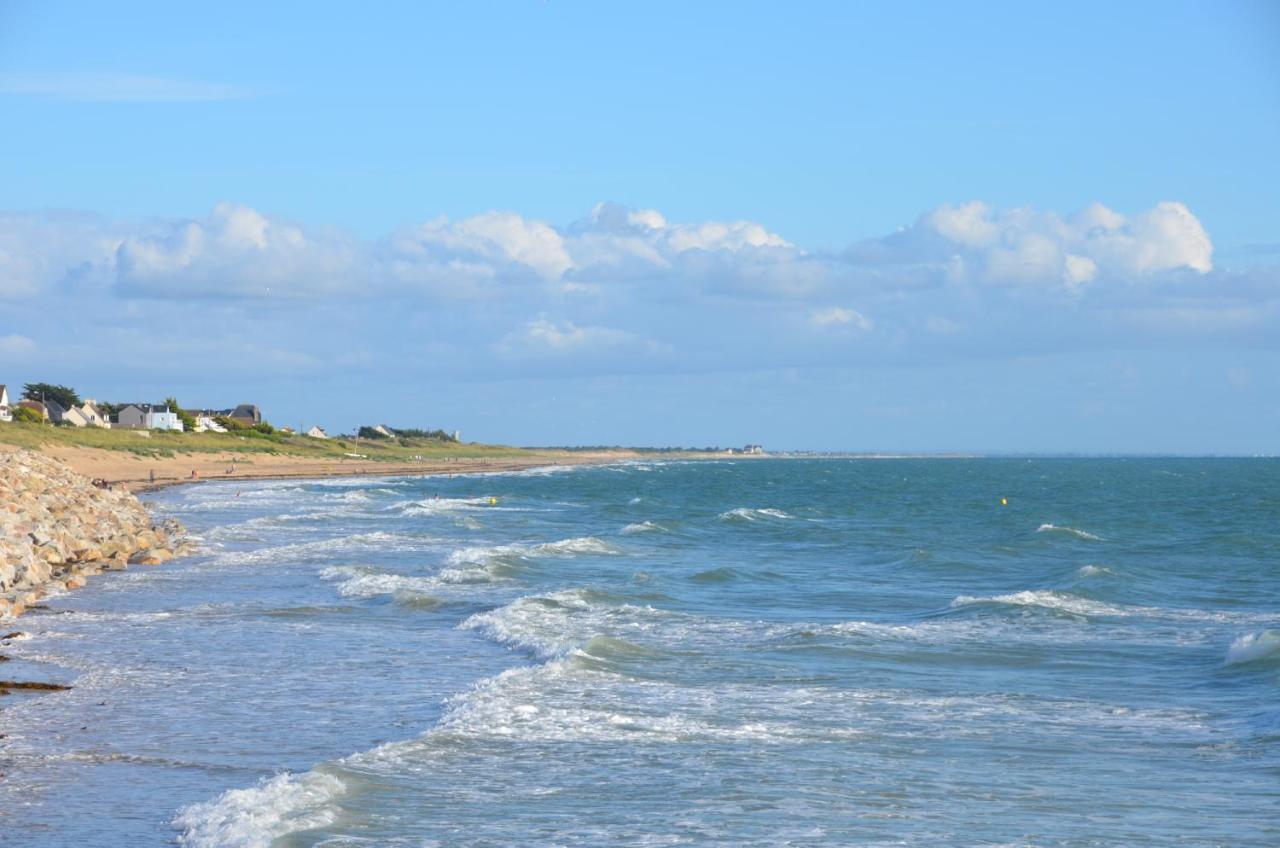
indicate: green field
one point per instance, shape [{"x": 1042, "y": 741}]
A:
[{"x": 165, "y": 443}]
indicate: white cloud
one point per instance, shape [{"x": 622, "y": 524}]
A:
[
  {"x": 41, "y": 250},
  {"x": 837, "y": 316},
  {"x": 974, "y": 242},
  {"x": 495, "y": 237},
  {"x": 543, "y": 337},
  {"x": 16, "y": 346},
  {"x": 116, "y": 87},
  {"x": 1026, "y": 276},
  {"x": 235, "y": 252}
]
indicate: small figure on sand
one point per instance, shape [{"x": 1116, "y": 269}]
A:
[{"x": 153, "y": 475}]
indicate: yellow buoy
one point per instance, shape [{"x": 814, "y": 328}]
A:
[
  {"x": 1004, "y": 502},
  {"x": 493, "y": 501}
]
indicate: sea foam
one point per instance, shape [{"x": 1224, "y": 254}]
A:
[
  {"x": 257, "y": 816},
  {"x": 753, "y": 514},
  {"x": 1047, "y": 599},
  {"x": 1251, "y": 647}
]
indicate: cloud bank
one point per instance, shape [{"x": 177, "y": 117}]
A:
[{"x": 628, "y": 289}]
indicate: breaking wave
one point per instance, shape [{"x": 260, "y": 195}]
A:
[
  {"x": 564, "y": 547},
  {"x": 257, "y": 816},
  {"x": 1251, "y": 647},
  {"x": 752, "y": 514},
  {"x": 1048, "y": 599},
  {"x": 1070, "y": 531}
]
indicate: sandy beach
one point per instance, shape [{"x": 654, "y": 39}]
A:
[{"x": 136, "y": 472}]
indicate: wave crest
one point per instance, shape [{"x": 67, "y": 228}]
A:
[
  {"x": 1070, "y": 531},
  {"x": 1251, "y": 647},
  {"x": 257, "y": 816},
  {"x": 744, "y": 513},
  {"x": 1047, "y": 599}
]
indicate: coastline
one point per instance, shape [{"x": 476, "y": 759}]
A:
[{"x": 135, "y": 472}]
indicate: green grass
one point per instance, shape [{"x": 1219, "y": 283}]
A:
[{"x": 160, "y": 443}]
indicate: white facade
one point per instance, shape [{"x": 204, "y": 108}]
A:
[
  {"x": 317, "y": 433},
  {"x": 75, "y": 417},
  {"x": 147, "y": 417},
  {"x": 164, "y": 420},
  {"x": 6, "y": 414},
  {"x": 206, "y": 424},
  {"x": 92, "y": 416}
]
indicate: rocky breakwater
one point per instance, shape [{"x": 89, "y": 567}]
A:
[{"x": 57, "y": 528}]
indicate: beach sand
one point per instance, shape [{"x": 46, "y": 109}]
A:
[{"x": 135, "y": 472}]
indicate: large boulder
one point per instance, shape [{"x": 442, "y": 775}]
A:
[{"x": 52, "y": 519}]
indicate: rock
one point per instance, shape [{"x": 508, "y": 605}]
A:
[
  {"x": 53, "y": 522},
  {"x": 33, "y": 686}
]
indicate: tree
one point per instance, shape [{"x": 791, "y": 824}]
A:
[
  {"x": 367, "y": 432},
  {"x": 187, "y": 419},
  {"x": 26, "y": 416},
  {"x": 65, "y": 396}
]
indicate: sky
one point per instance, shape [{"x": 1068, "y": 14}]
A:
[{"x": 997, "y": 227}]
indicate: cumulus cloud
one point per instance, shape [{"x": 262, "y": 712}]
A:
[
  {"x": 629, "y": 285},
  {"x": 973, "y": 242},
  {"x": 235, "y": 252}
]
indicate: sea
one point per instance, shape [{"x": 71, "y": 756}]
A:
[{"x": 760, "y": 652}]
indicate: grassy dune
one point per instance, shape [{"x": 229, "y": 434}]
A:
[{"x": 160, "y": 443}]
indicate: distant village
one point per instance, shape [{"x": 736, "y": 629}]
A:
[{"x": 46, "y": 403}]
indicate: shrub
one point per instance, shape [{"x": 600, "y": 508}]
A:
[{"x": 26, "y": 416}]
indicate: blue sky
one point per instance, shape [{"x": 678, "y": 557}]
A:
[{"x": 829, "y": 226}]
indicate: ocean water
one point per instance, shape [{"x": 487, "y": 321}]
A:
[{"x": 751, "y": 653}]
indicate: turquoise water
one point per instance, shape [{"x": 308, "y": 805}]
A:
[{"x": 754, "y": 653}]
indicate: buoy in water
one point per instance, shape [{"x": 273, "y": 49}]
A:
[
  {"x": 1004, "y": 502},
  {"x": 493, "y": 501}
]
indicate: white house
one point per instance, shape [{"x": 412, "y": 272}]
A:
[
  {"x": 5, "y": 413},
  {"x": 384, "y": 431},
  {"x": 207, "y": 424},
  {"x": 317, "y": 432},
  {"x": 146, "y": 416}
]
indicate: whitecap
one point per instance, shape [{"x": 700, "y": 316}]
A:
[
  {"x": 641, "y": 527},
  {"x": 564, "y": 547},
  {"x": 1049, "y": 599},
  {"x": 1254, "y": 646},
  {"x": 257, "y": 816},
  {"x": 752, "y": 514},
  {"x": 1070, "y": 531}
]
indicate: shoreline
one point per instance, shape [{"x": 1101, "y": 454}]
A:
[{"x": 139, "y": 474}]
